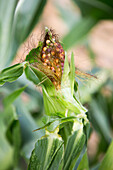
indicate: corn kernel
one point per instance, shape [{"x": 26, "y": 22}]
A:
[
  {"x": 47, "y": 41},
  {"x": 45, "y": 48},
  {"x": 52, "y": 52},
  {"x": 46, "y": 60},
  {"x": 49, "y": 55},
  {"x": 43, "y": 56},
  {"x": 57, "y": 60}
]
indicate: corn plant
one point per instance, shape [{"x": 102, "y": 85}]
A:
[
  {"x": 56, "y": 137},
  {"x": 48, "y": 64}
]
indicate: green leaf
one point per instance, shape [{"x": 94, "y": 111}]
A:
[
  {"x": 9, "y": 115},
  {"x": 47, "y": 154},
  {"x": 84, "y": 165},
  {"x": 31, "y": 75},
  {"x": 27, "y": 124},
  {"x": 99, "y": 117},
  {"x": 98, "y": 9},
  {"x": 19, "y": 18},
  {"x": 74, "y": 146},
  {"x": 6, "y": 153},
  {"x": 10, "y": 98},
  {"x": 6, "y": 150},
  {"x": 12, "y": 132},
  {"x": 27, "y": 15},
  {"x": 11, "y": 74},
  {"x": 78, "y": 32},
  {"x": 66, "y": 14},
  {"x": 7, "y": 10},
  {"x": 107, "y": 162}
]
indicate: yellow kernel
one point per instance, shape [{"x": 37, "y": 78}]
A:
[
  {"x": 55, "y": 44},
  {"x": 47, "y": 41},
  {"x": 52, "y": 52},
  {"x": 46, "y": 60},
  {"x": 57, "y": 49},
  {"x": 45, "y": 48},
  {"x": 57, "y": 60},
  {"x": 49, "y": 55},
  {"x": 58, "y": 69},
  {"x": 61, "y": 55},
  {"x": 43, "y": 56},
  {"x": 48, "y": 67}
]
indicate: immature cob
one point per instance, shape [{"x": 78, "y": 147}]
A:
[{"x": 49, "y": 58}]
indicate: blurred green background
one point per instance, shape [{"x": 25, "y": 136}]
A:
[{"x": 86, "y": 28}]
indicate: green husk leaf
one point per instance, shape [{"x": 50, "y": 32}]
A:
[
  {"x": 47, "y": 154},
  {"x": 31, "y": 75},
  {"x": 72, "y": 73},
  {"x": 57, "y": 122},
  {"x": 68, "y": 79},
  {"x": 73, "y": 149},
  {"x": 11, "y": 74},
  {"x": 56, "y": 102},
  {"x": 34, "y": 54}
]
